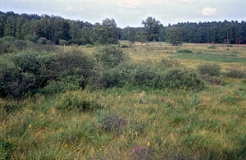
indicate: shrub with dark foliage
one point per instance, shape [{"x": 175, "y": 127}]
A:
[
  {"x": 13, "y": 82},
  {"x": 210, "y": 69},
  {"x": 109, "y": 56},
  {"x": 177, "y": 78},
  {"x": 236, "y": 73},
  {"x": 25, "y": 71}
]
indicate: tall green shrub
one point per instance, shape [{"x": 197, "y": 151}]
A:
[
  {"x": 72, "y": 63},
  {"x": 13, "y": 82},
  {"x": 177, "y": 79},
  {"x": 35, "y": 63},
  {"x": 109, "y": 56},
  {"x": 127, "y": 73}
]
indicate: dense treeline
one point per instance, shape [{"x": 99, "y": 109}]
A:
[
  {"x": 233, "y": 32},
  {"x": 46, "y": 29},
  {"x": 214, "y": 32}
]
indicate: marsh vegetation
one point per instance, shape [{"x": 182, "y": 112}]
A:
[{"x": 126, "y": 101}]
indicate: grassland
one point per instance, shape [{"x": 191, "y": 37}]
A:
[{"x": 135, "y": 122}]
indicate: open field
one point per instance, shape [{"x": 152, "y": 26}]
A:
[
  {"x": 200, "y": 52},
  {"x": 131, "y": 121}
]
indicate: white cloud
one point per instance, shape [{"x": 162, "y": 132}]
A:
[
  {"x": 208, "y": 11},
  {"x": 69, "y": 8},
  {"x": 185, "y": 1},
  {"x": 131, "y": 12}
]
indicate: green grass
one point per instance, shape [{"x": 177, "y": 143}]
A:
[
  {"x": 131, "y": 122},
  {"x": 186, "y": 123},
  {"x": 213, "y": 57}
]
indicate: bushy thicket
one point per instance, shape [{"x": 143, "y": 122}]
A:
[
  {"x": 109, "y": 56},
  {"x": 12, "y": 81},
  {"x": 178, "y": 78},
  {"x": 124, "y": 74},
  {"x": 10, "y": 45},
  {"x": 158, "y": 76},
  {"x": 26, "y": 71},
  {"x": 55, "y": 72}
]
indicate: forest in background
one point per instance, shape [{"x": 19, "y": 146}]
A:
[{"x": 47, "y": 29}]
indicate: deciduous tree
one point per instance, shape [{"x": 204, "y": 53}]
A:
[
  {"x": 151, "y": 26},
  {"x": 174, "y": 36},
  {"x": 106, "y": 33}
]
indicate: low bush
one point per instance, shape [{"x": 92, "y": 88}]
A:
[
  {"x": 14, "y": 82},
  {"x": 25, "y": 71},
  {"x": 73, "y": 67},
  {"x": 213, "y": 80},
  {"x": 211, "y": 73},
  {"x": 123, "y": 74},
  {"x": 117, "y": 76},
  {"x": 144, "y": 75},
  {"x": 210, "y": 69},
  {"x": 177, "y": 79},
  {"x": 75, "y": 63},
  {"x": 126, "y": 73},
  {"x": 236, "y": 73},
  {"x": 109, "y": 56},
  {"x": 8, "y": 44},
  {"x": 34, "y": 63},
  {"x": 8, "y": 72},
  {"x": 184, "y": 51},
  {"x": 148, "y": 75},
  {"x": 103, "y": 80},
  {"x": 28, "y": 61}
]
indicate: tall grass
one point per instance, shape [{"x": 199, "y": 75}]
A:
[{"x": 186, "y": 125}]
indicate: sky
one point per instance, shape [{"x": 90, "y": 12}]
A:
[{"x": 132, "y": 12}]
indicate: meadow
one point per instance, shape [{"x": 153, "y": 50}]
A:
[{"x": 137, "y": 102}]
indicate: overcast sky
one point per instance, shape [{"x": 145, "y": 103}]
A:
[{"x": 132, "y": 12}]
